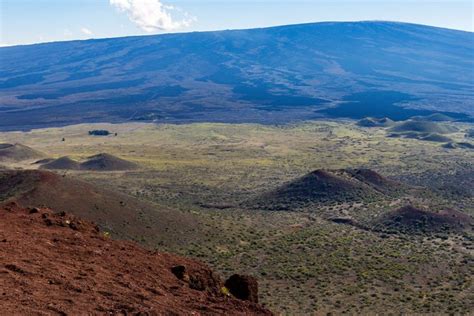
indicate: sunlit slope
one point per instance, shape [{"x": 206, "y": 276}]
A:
[{"x": 261, "y": 75}]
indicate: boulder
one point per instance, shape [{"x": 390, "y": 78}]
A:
[{"x": 243, "y": 287}]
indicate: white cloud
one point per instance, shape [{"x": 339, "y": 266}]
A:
[
  {"x": 86, "y": 31},
  {"x": 152, "y": 15}
]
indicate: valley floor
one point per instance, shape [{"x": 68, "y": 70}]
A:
[{"x": 305, "y": 263}]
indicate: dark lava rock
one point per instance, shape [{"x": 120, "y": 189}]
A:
[
  {"x": 243, "y": 287},
  {"x": 179, "y": 271}
]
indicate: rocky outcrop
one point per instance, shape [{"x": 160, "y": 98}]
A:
[
  {"x": 59, "y": 264},
  {"x": 243, "y": 287}
]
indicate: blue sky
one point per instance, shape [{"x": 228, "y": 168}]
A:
[{"x": 33, "y": 21}]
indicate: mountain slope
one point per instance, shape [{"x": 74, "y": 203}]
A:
[
  {"x": 423, "y": 127},
  {"x": 327, "y": 186},
  {"x": 107, "y": 162},
  {"x": 99, "y": 162},
  {"x": 54, "y": 264},
  {"x": 18, "y": 152},
  {"x": 409, "y": 219},
  {"x": 62, "y": 163},
  {"x": 263, "y": 75},
  {"x": 120, "y": 214}
]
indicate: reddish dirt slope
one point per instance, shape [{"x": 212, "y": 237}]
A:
[
  {"x": 319, "y": 186},
  {"x": 58, "y": 264},
  {"x": 409, "y": 219},
  {"x": 122, "y": 215}
]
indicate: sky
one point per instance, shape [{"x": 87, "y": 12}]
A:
[{"x": 36, "y": 21}]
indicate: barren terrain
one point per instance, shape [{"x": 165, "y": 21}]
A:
[{"x": 306, "y": 261}]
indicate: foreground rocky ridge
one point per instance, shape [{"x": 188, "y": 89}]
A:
[{"x": 58, "y": 264}]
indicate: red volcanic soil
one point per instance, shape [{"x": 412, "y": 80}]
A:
[
  {"x": 57, "y": 264},
  {"x": 375, "y": 180},
  {"x": 322, "y": 186},
  {"x": 413, "y": 220},
  {"x": 122, "y": 215}
]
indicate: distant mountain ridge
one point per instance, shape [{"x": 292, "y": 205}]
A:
[{"x": 278, "y": 74}]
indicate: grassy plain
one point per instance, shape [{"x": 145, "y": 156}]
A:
[{"x": 305, "y": 263}]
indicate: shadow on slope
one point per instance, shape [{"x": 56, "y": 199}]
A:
[
  {"x": 107, "y": 162},
  {"x": 380, "y": 104},
  {"x": 423, "y": 127},
  {"x": 327, "y": 186},
  {"x": 63, "y": 163},
  {"x": 413, "y": 220},
  {"x": 101, "y": 162},
  {"x": 459, "y": 145},
  {"x": 429, "y": 137},
  {"x": 376, "y": 122}
]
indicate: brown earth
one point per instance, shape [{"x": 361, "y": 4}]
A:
[
  {"x": 107, "y": 162},
  {"x": 18, "y": 152},
  {"x": 375, "y": 180},
  {"x": 58, "y": 264},
  {"x": 62, "y": 163},
  {"x": 327, "y": 186},
  {"x": 410, "y": 219},
  {"x": 122, "y": 215},
  {"x": 100, "y": 162}
]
